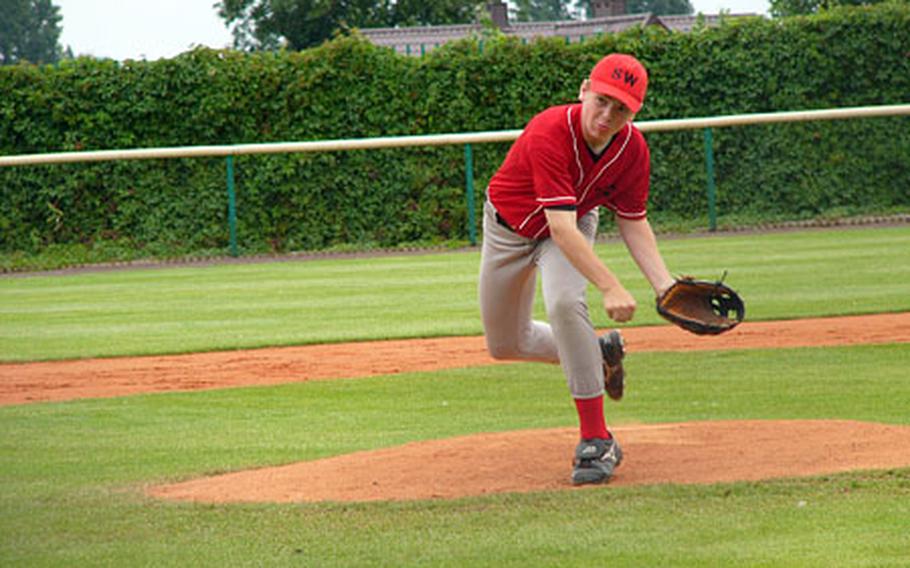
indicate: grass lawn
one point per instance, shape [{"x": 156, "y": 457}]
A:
[
  {"x": 72, "y": 473},
  {"x": 180, "y": 310}
]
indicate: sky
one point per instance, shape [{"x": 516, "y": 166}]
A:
[{"x": 143, "y": 29}]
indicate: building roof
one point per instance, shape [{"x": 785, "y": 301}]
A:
[
  {"x": 419, "y": 39},
  {"x": 682, "y": 23}
]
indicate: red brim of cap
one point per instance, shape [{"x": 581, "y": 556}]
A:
[{"x": 617, "y": 93}]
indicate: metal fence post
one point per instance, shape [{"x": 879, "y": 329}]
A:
[
  {"x": 712, "y": 190},
  {"x": 232, "y": 206},
  {"x": 469, "y": 190}
]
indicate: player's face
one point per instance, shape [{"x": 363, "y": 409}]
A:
[{"x": 602, "y": 116}]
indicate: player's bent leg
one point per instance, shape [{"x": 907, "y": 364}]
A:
[
  {"x": 567, "y": 310},
  {"x": 506, "y": 289},
  {"x": 506, "y": 313}
]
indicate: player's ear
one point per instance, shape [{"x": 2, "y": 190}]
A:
[{"x": 585, "y": 85}]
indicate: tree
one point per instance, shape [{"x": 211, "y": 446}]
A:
[
  {"x": 433, "y": 12},
  {"x": 29, "y": 31},
  {"x": 267, "y": 24},
  {"x": 659, "y": 7},
  {"x": 656, "y": 7},
  {"x": 298, "y": 24},
  {"x": 542, "y": 10},
  {"x": 783, "y": 8}
]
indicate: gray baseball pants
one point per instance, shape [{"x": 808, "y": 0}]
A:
[{"x": 508, "y": 276}]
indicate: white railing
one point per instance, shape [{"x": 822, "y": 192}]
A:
[
  {"x": 467, "y": 139},
  {"x": 433, "y": 139}
]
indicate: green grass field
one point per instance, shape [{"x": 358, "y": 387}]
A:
[
  {"x": 176, "y": 310},
  {"x": 72, "y": 474}
]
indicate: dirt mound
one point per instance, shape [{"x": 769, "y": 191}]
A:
[
  {"x": 699, "y": 452},
  {"x": 691, "y": 452}
]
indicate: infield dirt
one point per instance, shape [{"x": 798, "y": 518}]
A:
[{"x": 97, "y": 378}]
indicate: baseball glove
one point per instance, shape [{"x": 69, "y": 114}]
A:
[{"x": 702, "y": 307}]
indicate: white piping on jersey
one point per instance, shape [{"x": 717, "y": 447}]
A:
[
  {"x": 581, "y": 171},
  {"x": 528, "y": 218},
  {"x": 628, "y": 215},
  {"x": 539, "y": 208},
  {"x": 581, "y": 175}
]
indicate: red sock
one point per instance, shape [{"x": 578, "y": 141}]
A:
[{"x": 591, "y": 417}]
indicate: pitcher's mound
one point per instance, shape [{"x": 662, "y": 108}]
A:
[{"x": 540, "y": 460}]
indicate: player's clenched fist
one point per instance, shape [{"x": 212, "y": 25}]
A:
[{"x": 619, "y": 304}]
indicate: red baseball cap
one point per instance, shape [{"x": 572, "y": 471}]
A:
[{"x": 622, "y": 77}]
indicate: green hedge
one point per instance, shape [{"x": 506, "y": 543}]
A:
[{"x": 348, "y": 88}]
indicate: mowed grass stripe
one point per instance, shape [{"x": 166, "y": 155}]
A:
[{"x": 188, "y": 309}]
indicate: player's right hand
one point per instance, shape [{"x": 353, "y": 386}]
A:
[{"x": 619, "y": 304}]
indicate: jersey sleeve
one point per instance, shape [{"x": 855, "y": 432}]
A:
[
  {"x": 632, "y": 201},
  {"x": 551, "y": 170}
]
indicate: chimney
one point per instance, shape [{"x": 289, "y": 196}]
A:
[
  {"x": 606, "y": 8},
  {"x": 499, "y": 12}
]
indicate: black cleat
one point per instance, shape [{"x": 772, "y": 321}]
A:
[
  {"x": 595, "y": 460},
  {"x": 613, "y": 351}
]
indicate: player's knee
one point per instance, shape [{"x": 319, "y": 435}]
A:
[
  {"x": 501, "y": 351},
  {"x": 566, "y": 308}
]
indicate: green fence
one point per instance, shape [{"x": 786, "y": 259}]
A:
[{"x": 467, "y": 139}]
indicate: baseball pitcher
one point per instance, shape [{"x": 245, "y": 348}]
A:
[{"x": 541, "y": 216}]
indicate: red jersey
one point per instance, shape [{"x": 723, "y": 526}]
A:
[{"x": 550, "y": 166}]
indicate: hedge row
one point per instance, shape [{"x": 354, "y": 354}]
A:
[{"x": 350, "y": 89}]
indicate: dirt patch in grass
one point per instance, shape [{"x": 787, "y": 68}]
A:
[
  {"x": 694, "y": 452},
  {"x": 684, "y": 453},
  {"x": 95, "y": 378}
]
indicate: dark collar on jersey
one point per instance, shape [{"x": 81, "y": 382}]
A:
[{"x": 596, "y": 157}]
